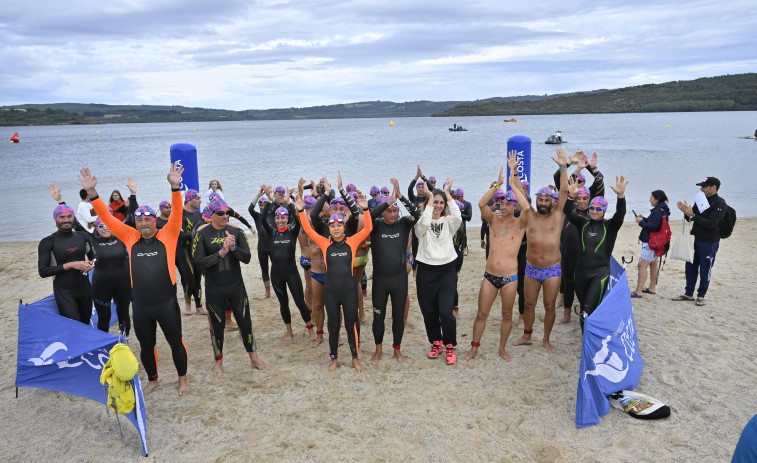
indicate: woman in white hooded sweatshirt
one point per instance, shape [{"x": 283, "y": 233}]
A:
[{"x": 436, "y": 280}]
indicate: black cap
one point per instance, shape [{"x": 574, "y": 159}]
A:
[{"x": 709, "y": 181}]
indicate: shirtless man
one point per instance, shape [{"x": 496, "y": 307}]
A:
[
  {"x": 501, "y": 274},
  {"x": 543, "y": 230}
]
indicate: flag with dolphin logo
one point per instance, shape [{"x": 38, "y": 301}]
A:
[
  {"x": 610, "y": 358},
  {"x": 64, "y": 355}
]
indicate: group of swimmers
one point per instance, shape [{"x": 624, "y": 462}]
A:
[{"x": 335, "y": 229}]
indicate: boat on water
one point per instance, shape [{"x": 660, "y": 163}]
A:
[
  {"x": 511, "y": 120},
  {"x": 555, "y": 139},
  {"x": 457, "y": 128}
]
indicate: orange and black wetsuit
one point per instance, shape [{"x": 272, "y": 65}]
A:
[
  {"x": 340, "y": 288},
  {"x": 153, "y": 283}
]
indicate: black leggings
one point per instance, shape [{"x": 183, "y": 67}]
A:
[
  {"x": 234, "y": 298},
  {"x": 436, "y": 286},
  {"x": 190, "y": 276},
  {"x": 567, "y": 284},
  {"x": 264, "y": 255},
  {"x": 112, "y": 287},
  {"x": 289, "y": 277},
  {"x": 591, "y": 288},
  {"x": 339, "y": 291},
  {"x": 521, "y": 279},
  {"x": 147, "y": 315},
  {"x": 383, "y": 288},
  {"x": 75, "y": 303}
]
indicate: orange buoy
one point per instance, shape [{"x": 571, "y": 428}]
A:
[{"x": 15, "y": 139}]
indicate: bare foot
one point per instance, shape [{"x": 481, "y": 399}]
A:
[
  {"x": 231, "y": 326},
  {"x": 265, "y": 296},
  {"x": 398, "y": 356},
  {"x": 503, "y": 353},
  {"x": 312, "y": 335},
  {"x": 357, "y": 366},
  {"x": 317, "y": 341},
  {"x": 521, "y": 322},
  {"x": 377, "y": 356},
  {"x": 333, "y": 366},
  {"x": 524, "y": 340},
  {"x": 187, "y": 308},
  {"x": 471, "y": 354},
  {"x": 218, "y": 368},
  {"x": 256, "y": 362},
  {"x": 456, "y": 312},
  {"x": 549, "y": 346},
  {"x": 184, "y": 388},
  {"x": 151, "y": 386},
  {"x": 201, "y": 311},
  {"x": 563, "y": 320},
  {"x": 289, "y": 334}
]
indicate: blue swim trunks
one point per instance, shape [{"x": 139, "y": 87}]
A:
[
  {"x": 305, "y": 263},
  {"x": 545, "y": 273},
  {"x": 319, "y": 277}
]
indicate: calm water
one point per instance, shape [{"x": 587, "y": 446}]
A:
[{"x": 368, "y": 152}]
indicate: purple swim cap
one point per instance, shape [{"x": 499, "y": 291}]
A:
[
  {"x": 385, "y": 190},
  {"x": 280, "y": 190},
  {"x": 282, "y": 211},
  {"x": 353, "y": 195},
  {"x": 420, "y": 182},
  {"x": 337, "y": 202},
  {"x": 544, "y": 191},
  {"x": 510, "y": 198},
  {"x": 499, "y": 195},
  {"x": 584, "y": 192},
  {"x": 459, "y": 205},
  {"x": 432, "y": 179},
  {"x": 351, "y": 187},
  {"x": 163, "y": 205},
  {"x": 207, "y": 213},
  {"x": 145, "y": 212},
  {"x": 339, "y": 218},
  {"x": 309, "y": 202},
  {"x": 217, "y": 204},
  {"x": 374, "y": 190},
  {"x": 191, "y": 195},
  {"x": 263, "y": 199},
  {"x": 459, "y": 192},
  {"x": 599, "y": 202},
  {"x": 62, "y": 209},
  {"x": 525, "y": 184}
]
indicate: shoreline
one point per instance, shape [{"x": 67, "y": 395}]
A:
[{"x": 698, "y": 360}]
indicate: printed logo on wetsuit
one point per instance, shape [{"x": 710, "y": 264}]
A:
[
  {"x": 339, "y": 254},
  {"x": 591, "y": 233},
  {"x": 396, "y": 235},
  {"x": 282, "y": 241},
  {"x": 70, "y": 250},
  {"x": 107, "y": 243},
  {"x": 217, "y": 240},
  {"x": 147, "y": 254}
]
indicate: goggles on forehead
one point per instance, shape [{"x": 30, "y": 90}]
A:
[
  {"x": 336, "y": 218},
  {"x": 144, "y": 214}
]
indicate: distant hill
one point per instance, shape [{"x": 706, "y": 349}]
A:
[
  {"x": 45, "y": 116},
  {"x": 724, "y": 93}
]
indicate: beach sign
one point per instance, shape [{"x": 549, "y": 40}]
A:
[
  {"x": 521, "y": 144},
  {"x": 185, "y": 155}
]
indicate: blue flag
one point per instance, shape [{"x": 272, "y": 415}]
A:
[
  {"x": 610, "y": 358},
  {"x": 64, "y": 355}
]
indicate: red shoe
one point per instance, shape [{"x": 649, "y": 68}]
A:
[
  {"x": 451, "y": 356},
  {"x": 436, "y": 350}
]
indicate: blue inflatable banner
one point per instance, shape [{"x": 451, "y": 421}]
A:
[
  {"x": 186, "y": 156},
  {"x": 610, "y": 357},
  {"x": 63, "y": 355},
  {"x": 521, "y": 144},
  {"x": 48, "y": 305}
]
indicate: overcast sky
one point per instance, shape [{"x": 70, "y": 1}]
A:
[{"x": 247, "y": 54}]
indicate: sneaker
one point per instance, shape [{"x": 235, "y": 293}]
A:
[
  {"x": 436, "y": 350},
  {"x": 451, "y": 356}
]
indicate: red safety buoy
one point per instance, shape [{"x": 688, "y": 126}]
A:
[{"x": 15, "y": 139}]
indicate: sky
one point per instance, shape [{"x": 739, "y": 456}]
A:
[{"x": 249, "y": 54}]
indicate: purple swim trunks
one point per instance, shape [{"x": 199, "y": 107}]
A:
[{"x": 545, "y": 273}]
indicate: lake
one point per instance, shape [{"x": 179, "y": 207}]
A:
[{"x": 668, "y": 151}]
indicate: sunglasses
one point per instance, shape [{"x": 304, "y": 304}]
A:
[
  {"x": 596, "y": 209},
  {"x": 582, "y": 197},
  {"x": 222, "y": 213},
  {"x": 144, "y": 213}
]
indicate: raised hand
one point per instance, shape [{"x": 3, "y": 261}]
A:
[
  {"x": 228, "y": 242},
  {"x": 512, "y": 160},
  {"x": 583, "y": 162},
  {"x": 174, "y": 175},
  {"x": 593, "y": 162},
  {"x": 88, "y": 181},
  {"x": 299, "y": 202},
  {"x": 562, "y": 158},
  {"x": 396, "y": 191},
  {"x": 575, "y": 158},
  {"x": 362, "y": 201},
  {"x": 572, "y": 186},
  {"x": 55, "y": 192},
  {"x": 326, "y": 186},
  {"x": 339, "y": 180},
  {"x": 418, "y": 173},
  {"x": 620, "y": 186},
  {"x": 448, "y": 186},
  {"x": 132, "y": 186}
]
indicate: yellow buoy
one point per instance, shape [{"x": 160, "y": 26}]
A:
[
  {"x": 667, "y": 126},
  {"x": 371, "y": 133},
  {"x": 98, "y": 131},
  {"x": 391, "y": 123},
  {"x": 324, "y": 126},
  {"x": 194, "y": 130}
]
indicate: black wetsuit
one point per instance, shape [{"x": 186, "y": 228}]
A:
[
  {"x": 264, "y": 243},
  {"x": 110, "y": 280},
  {"x": 284, "y": 267},
  {"x": 389, "y": 251},
  {"x": 597, "y": 187},
  {"x": 224, "y": 286},
  {"x": 571, "y": 246},
  {"x": 191, "y": 279},
  {"x": 597, "y": 240},
  {"x": 467, "y": 213},
  {"x": 71, "y": 288}
]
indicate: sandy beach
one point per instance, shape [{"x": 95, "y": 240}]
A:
[{"x": 699, "y": 360}]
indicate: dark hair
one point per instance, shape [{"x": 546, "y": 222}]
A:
[
  {"x": 660, "y": 196},
  {"x": 83, "y": 193},
  {"x": 120, "y": 196},
  {"x": 441, "y": 193}
]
